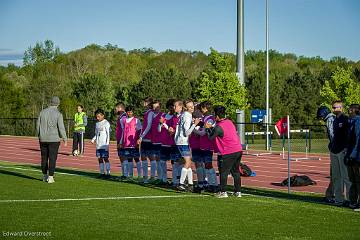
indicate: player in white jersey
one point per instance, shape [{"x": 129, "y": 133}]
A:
[{"x": 102, "y": 140}]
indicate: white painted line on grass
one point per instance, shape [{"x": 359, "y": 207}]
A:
[{"x": 98, "y": 198}]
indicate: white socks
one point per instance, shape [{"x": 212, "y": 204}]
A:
[
  {"x": 186, "y": 173},
  {"x": 183, "y": 175},
  {"x": 190, "y": 176}
]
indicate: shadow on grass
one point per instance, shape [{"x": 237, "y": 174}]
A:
[
  {"x": 5, "y": 172},
  {"x": 95, "y": 175},
  {"x": 303, "y": 197}
]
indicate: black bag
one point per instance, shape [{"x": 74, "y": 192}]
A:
[
  {"x": 245, "y": 171},
  {"x": 298, "y": 181}
]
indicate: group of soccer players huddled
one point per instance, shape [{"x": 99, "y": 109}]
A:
[{"x": 177, "y": 136}]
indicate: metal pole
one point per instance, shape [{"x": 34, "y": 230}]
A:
[
  {"x": 267, "y": 77},
  {"x": 240, "y": 57},
  {"x": 289, "y": 150}
]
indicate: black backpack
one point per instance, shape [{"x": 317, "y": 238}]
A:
[
  {"x": 298, "y": 181},
  {"x": 245, "y": 170}
]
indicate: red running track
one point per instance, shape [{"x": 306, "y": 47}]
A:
[{"x": 270, "y": 169}]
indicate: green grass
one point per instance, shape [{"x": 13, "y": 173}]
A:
[
  {"x": 250, "y": 217},
  {"x": 297, "y": 145}
]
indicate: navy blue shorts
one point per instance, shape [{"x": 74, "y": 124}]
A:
[
  {"x": 165, "y": 153},
  {"x": 184, "y": 150},
  {"x": 131, "y": 153},
  {"x": 169, "y": 153},
  {"x": 156, "y": 150},
  {"x": 206, "y": 156},
  {"x": 121, "y": 152},
  {"x": 196, "y": 155},
  {"x": 102, "y": 153},
  {"x": 146, "y": 149}
]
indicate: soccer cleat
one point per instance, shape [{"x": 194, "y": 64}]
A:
[
  {"x": 357, "y": 209},
  {"x": 353, "y": 205},
  {"x": 45, "y": 178},
  {"x": 123, "y": 178},
  {"x": 159, "y": 182},
  {"x": 51, "y": 179},
  {"x": 211, "y": 189},
  {"x": 152, "y": 180},
  {"x": 190, "y": 188},
  {"x": 237, "y": 194},
  {"x": 75, "y": 153},
  {"x": 144, "y": 180},
  {"x": 198, "y": 189},
  {"x": 338, "y": 204},
  {"x": 329, "y": 200},
  {"x": 221, "y": 195},
  {"x": 181, "y": 187}
]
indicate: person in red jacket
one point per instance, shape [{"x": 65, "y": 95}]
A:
[{"x": 229, "y": 145}]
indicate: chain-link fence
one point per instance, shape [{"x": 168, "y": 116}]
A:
[
  {"x": 27, "y": 127},
  {"x": 304, "y": 138}
]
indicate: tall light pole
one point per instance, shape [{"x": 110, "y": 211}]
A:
[
  {"x": 240, "y": 71},
  {"x": 267, "y": 78}
]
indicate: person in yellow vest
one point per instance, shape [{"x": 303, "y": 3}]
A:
[{"x": 80, "y": 122}]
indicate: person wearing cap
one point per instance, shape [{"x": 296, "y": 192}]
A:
[
  {"x": 338, "y": 149},
  {"x": 324, "y": 114},
  {"x": 49, "y": 129}
]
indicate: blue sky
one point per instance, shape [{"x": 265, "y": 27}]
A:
[{"x": 324, "y": 28}]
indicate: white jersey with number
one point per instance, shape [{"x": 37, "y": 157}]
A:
[{"x": 102, "y": 135}]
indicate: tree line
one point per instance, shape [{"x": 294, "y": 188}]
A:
[{"x": 99, "y": 76}]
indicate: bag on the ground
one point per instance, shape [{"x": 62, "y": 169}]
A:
[
  {"x": 298, "y": 181},
  {"x": 245, "y": 170}
]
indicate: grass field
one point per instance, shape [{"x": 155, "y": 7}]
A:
[
  {"x": 297, "y": 145},
  {"x": 80, "y": 206}
]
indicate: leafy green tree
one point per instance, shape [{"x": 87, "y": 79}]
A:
[
  {"x": 342, "y": 86},
  {"x": 220, "y": 85},
  {"x": 41, "y": 52},
  {"x": 95, "y": 91},
  {"x": 12, "y": 99},
  {"x": 162, "y": 85}
]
